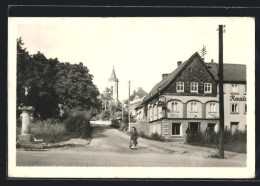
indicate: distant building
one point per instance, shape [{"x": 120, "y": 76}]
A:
[
  {"x": 139, "y": 96},
  {"x": 113, "y": 85},
  {"x": 188, "y": 98}
]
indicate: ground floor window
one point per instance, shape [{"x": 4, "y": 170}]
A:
[
  {"x": 176, "y": 129},
  {"x": 194, "y": 126},
  {"x": 211, "y": 127},
  {"x": 233, "y": 126}
]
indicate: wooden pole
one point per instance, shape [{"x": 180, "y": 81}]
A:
[
  {"x": 221, "y": 95},
  {"x": 129, "y": 106}
]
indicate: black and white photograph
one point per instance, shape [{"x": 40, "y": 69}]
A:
[{"x": 131, "y": 97}]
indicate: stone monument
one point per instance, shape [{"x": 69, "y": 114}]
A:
[{"x": 26, "y": 138}]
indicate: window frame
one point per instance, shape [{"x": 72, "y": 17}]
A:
[
  {"x": 215, "y": 107},
  {"x": 192, "y": 103},
  {"x": 182, "y": 85},
  {"x": 236, "y": 89},
  {"x": 172, "y": 107},
  {"x": 197, "y": 86},
  {"x": 180, "y": 133},
  {"x": 208, "y": 92},
  {"x": 236, "y": 112}
]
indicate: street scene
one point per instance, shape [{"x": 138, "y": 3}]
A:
[
  {"x": 115, "y": 144},
  {"x": 131, "y": 92}
]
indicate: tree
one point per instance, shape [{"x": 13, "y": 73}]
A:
[
  {"x": 54, "y": 85},
  {"x": 106, "y": 96}
]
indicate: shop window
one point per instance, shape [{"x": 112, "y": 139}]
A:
[
  {"x": 207, "y": 87},
  {"x": 194, "y": 127},
  {"x": 194, "y": 87},
  {"x": 234, "y": 108},
  {"x": 233, "y": 126},
  {"x": 234, "y": 88},
  {"x": 180, "y": 86},
  {"x": 194, "y": 107},
  {"x": 176, "y": 129}
]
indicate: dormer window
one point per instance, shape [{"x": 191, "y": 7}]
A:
[
  {"x": 180, "y": 86},
  {"x": 193, "y": 87},
  {"x": 207, "y": 87}
]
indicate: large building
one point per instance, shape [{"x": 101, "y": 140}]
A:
[{"x": 188, "y": 98}]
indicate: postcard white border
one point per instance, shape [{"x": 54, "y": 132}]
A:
[{"x": 125, "y": 172}]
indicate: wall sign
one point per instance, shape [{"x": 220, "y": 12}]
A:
[{"x": 236, "y": 98}]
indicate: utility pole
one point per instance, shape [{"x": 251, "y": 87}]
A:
[
  {"x": 221, "y": 94},
  {"x": 129, "y": 82}
]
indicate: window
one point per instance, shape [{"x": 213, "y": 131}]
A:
[
  {"x": 245, "y": 89},
  {"x": 176, "y": 129},
  {"x": 211, "y": 127},
  {"x": 207, "y": 87},
  {"x": 194, "y": 107},
  {"x": 155, "y": 112},
  {"x": 151, "y": 113},
  {"x": 212, "y": 107},
  {"x": 194, "y": 127},
  {"x": 180, "y": 87},
  {"x": 234, "y": 88},
  {"x": 245, "y": 108},
  {"x": 234, "y": 108},
  {"x": 194, "y": 87},
  {"x": 175, "y": 107},
  {"x": 233, "y": 126}
]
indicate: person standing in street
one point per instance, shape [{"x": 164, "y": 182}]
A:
[{"x": 133, "y": 138}]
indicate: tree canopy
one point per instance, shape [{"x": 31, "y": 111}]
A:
[{"x": 52, "y": 83}]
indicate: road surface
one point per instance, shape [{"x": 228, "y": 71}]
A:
[{"x": 109, "y": 147}]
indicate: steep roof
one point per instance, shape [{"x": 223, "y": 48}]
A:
[
  {"x": 141, "y": 93},
  {"x": 166, "y": 81},
  {"x": 231, "y": 72},
  {"x": 113, "y": 76}
]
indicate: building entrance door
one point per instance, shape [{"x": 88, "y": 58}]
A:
[{"x": 194, "y": 126}]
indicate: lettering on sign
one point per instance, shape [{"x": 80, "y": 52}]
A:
[{"x": 236, "y": 98}]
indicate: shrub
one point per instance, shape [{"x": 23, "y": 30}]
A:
[
  {"x": 78, "y": 123},
  {"x": 235, "y": 142},
  {"x": 49, "y": 130}
]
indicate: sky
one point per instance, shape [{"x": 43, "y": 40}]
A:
[{"x": 140, "y": 49}]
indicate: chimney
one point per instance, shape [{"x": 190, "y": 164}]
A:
[
  {"x": 212, "y": 60},
  {"x": 179, "y": 63},
  {"x": 164, "y": 76}
]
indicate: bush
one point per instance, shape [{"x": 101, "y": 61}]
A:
[
  {"x": 78, "y": 123},
  {"x": 49, "y": 130},
  {"x": 157, "y": 137},
  {"x": 154, "y": 136},
  {"x": 235, "y": 142}
]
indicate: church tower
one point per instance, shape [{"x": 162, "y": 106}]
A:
[{"x": 113, "y": 85}]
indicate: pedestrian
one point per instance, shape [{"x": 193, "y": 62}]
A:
[{"x": 133, "y": 138}]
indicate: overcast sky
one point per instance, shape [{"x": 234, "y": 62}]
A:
[{"x": 140, "y": 49}]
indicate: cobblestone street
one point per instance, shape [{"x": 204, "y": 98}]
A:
[{"x": 110, "y": 147}]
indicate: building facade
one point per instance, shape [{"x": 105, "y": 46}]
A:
[{"x": 188, "y": 98}]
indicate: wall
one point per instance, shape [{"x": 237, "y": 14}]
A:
[{"x": 241, "y": 115}]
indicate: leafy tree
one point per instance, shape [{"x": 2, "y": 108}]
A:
[
  {"x": 52, "y": 84},
  {"x": 106, "y": 96}
]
